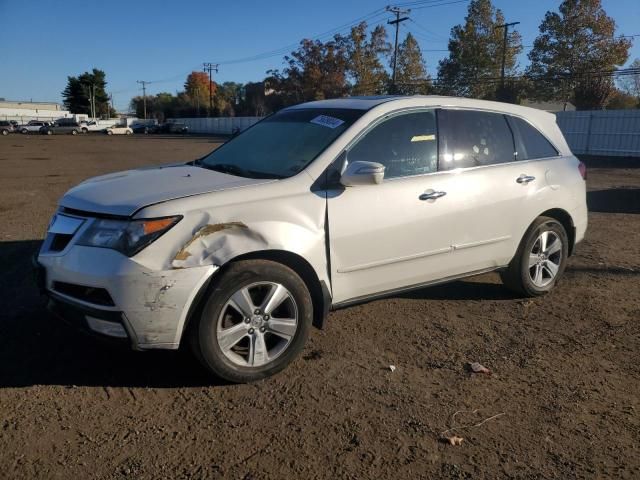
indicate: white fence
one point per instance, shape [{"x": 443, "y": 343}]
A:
[
  {"x": 602, "y": 132},
  {"x": 217, "y": 125}
]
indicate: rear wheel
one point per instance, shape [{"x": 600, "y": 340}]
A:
[
  {"x": 254, "y": 323},
  {"x": 49, "y": 132},
  {"x": 5, "y": 132},
  {"x": 24, "y": 131},
  {"x": 540, "y": 260},
  {"x": 74, "y": 132},
  {"x": 129, "y": 132},
  {"x": 109, "y": 132}
]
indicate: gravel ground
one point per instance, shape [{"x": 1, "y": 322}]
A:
[{"x": 566, "y": 367}]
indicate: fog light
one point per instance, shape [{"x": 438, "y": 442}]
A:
[{"x": 111, "y": 329}]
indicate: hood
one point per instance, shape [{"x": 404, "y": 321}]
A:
[{"x": 124, "y": 193}]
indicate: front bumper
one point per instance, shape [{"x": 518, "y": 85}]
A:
[{"x": 152, "y": 306}]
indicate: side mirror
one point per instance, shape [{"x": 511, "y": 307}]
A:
[{"x": 362, "y": 173}]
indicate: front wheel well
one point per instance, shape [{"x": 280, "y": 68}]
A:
[
  {"x": 319, "y": 291},
  {"x": 320, "y": 295},
  {"x": 565, "y": 219}
]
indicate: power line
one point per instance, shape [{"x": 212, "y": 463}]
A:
[
  {"x": 397, "y": 12},
  {"x": 144, "y": 95},
  {"x": 210, "y": 67},
  {"x": 505, "y": 26}
]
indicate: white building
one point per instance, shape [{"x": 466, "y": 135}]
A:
[{"x": 25, "y": 111}]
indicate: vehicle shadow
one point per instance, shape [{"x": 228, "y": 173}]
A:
[
  {"x": 37, "y": 348},
  {"x": 461, "y": 290},
  {"x": 595, "y": 161},
  {"x": 614, "y": 200}
]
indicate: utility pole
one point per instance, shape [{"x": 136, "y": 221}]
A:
[
  {"x": 210, "y": 67},
  {"x": 504, "y": 48},
  {"x": 108, "y": 112},
  {"x": 144, "y": 95},
  {"x": 397, "y": 12}
]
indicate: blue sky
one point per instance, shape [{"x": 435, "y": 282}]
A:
[{"x": 44, "y": 41}]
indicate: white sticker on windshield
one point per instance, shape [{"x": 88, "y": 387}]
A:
[{"x": 327, "y": 121}]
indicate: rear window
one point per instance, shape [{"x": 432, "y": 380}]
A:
[
  {"x": 471, "y": 138},
  {"x": 530, "y": 143}
]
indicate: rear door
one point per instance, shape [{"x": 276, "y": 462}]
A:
[{"x": 491, "y": 187}]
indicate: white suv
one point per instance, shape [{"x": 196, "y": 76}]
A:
[{"x": 317, "y": 207}]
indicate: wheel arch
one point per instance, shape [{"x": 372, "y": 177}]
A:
[
  {"x": 566, "y": 221},
  {"x": 320, "y": 294}
]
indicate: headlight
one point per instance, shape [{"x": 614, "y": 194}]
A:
[{"x": 126, "y": 236}]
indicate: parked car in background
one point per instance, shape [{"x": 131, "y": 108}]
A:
[
  {"x": 144, "y": 128},
  {"x": 119, "y": 130},
  {"x": 6, "y": 127},
  {"x": 34, "y": 126},
  {"x": 172, "y": 127},
  {"x": 319, "y": 206},
  {"x": 62, "y": 126},
  {"x": 92, "y": 126}
]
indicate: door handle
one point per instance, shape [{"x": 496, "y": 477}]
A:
[
  {"x": 525, "y": 179},
  {"x": 431, "y": 195}
]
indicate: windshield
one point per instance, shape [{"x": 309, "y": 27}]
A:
[{"x": 281, "y": 145}]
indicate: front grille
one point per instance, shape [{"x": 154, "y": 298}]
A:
[{"x": 97, "y": 296}]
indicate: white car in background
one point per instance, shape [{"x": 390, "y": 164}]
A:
[
  {"x": 119, "y": 130},
  {"x": 92, "y": 126},
  {"x": 317, "y": 207}
]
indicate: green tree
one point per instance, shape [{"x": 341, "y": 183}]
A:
[
  {"x": 314, "y": 71},
  {"x": 574, "y": 45},
  {"x": 77, "y": 94},
  {"x": 411, "y": 71},
  {"x": 620, "y": 100},
  {"x": 475, "y": 53},
  {"x": 365, "y": 66},
  {"x": 630, "y": 84}
]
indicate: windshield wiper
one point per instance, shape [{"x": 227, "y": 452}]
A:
[{"x": 237, "y": 171}]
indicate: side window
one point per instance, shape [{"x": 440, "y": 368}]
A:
[
  {"x": 530, "y": 143},
  {"x": 405, "y": 144},
  {"x": 471, "y": 138}
]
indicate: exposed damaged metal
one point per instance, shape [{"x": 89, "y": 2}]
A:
[{"x": 214, "y": 243}]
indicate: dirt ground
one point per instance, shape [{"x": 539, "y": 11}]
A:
[{"x": 566, "y": 367}]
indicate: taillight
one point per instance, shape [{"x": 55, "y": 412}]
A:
[{"x": 583, "y": 170}]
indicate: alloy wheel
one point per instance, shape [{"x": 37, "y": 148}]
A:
[
  {"x": 257, "y": 324},
  {"x": 545, "y": 258}
]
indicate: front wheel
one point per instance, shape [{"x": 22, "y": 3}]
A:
[
  {"x": 109, "y": 132},
  {"x": 129, "y": 132},
  {"x": 74, "y": 132},
  {"x": 255, "y": 321},
  {"x": 24, "y": 131},
  {"x": 5, "y": 132},
  {"x": 540, "y": 260},
  {"x": 49, "y": 132}
]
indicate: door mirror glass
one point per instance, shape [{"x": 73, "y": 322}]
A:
[{"x": 362, "y": 173}]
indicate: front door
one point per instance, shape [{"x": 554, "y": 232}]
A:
[{"x": 399, "y": 233}]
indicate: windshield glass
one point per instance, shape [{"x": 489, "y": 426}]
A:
[{"x": 281, "y": 145}]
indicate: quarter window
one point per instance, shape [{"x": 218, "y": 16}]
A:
[
  {"x": 530, "y": 143},
  {"x": 405, "y": 144},
  {"x": 471, "y": 138}
]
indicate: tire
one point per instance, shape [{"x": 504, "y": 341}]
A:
[
  {"x": 109, "y": 132},
  {"x": 5, "y": 132},
  {"x": 74, "y": 132},
  {"x": 535, "y": 271},
  {"x": 129, "y": 133},
  {"x": 84, "y": 130},
  {"x": 49, "y": 132},
  {"x": 231, "y": 356},
  {"x": 24, "y": 131}
]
